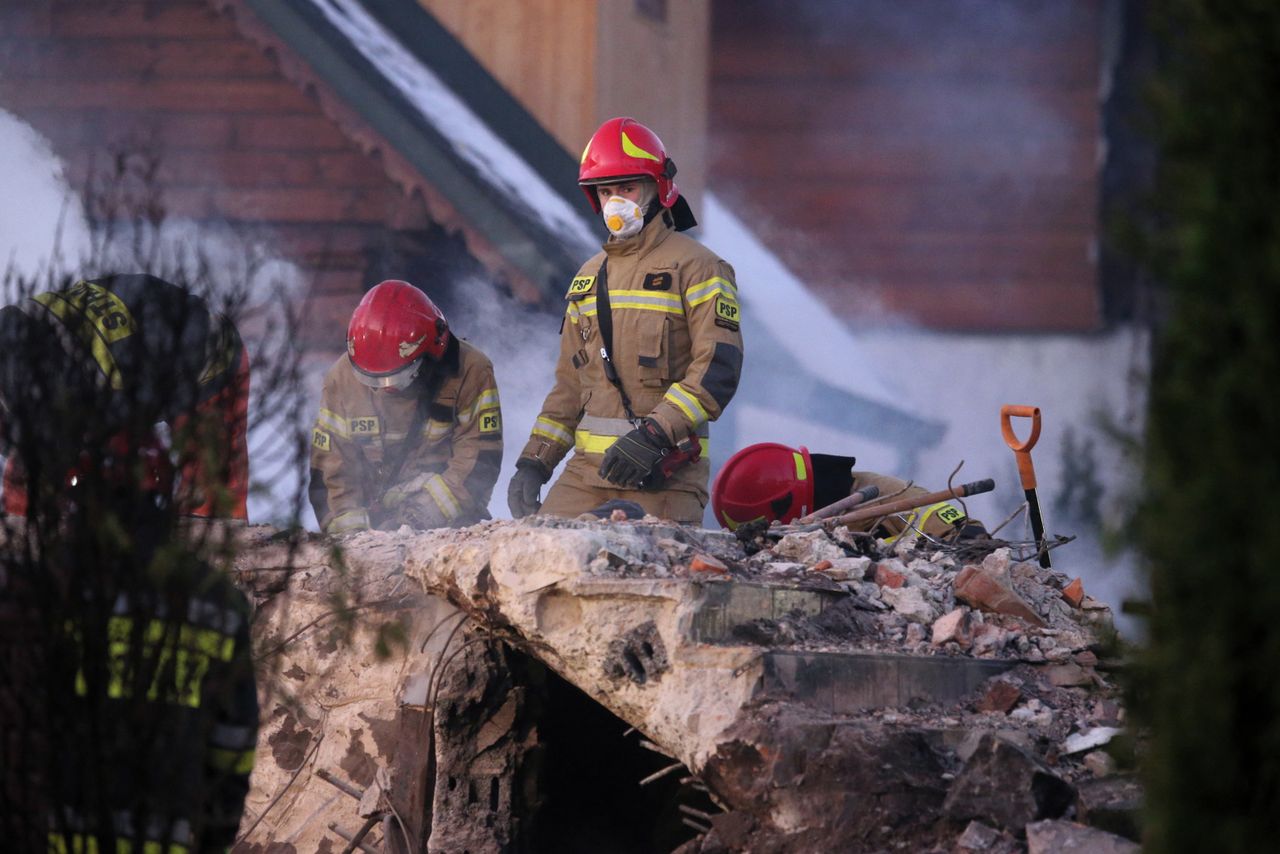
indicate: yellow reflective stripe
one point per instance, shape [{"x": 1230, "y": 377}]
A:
[
  {"x": 801, "y": 474},
  {"x": 586, "y": 307},
  {"x": 488, "y": 399},
  {"x": 333, "y": 422},
  {"x": 443, "y": 497},
  {"x": 350, "y": 520},
  {"x": 586, "y": 442},
  {"x": 646, "y": 301},
  {"x": 687, "y": 403},
  {"x": 703, "y": 291},
  {"x": 79, "y": 843},
  {"x": 434, "y": 429},
  {"x": 632, "y": 150},
  {"x": 187, "y": 657},
  {"x": 233, "y": 761},
  {"x": 100, "y": 337},
  {"x": 553, "y": 430}
]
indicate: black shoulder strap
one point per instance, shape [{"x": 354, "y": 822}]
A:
[{"x": 604, "y": 317}]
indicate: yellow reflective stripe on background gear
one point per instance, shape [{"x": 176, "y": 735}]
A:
[
  {"x": 687, "y": 403},
  {"x": 231, "y": 761},
  {"x": 183, "y": 651},
  {"x": 916, "y": 519},
  {"x": 801, "y": 472},
  {"x": 552, "y": 430},
  {"x": 586, "y": 442},
  {"x": 350, "y": 520},
  {"x": 716, "y": 285},
  {"x": 73, "y": 307},
  {"x": 79, "y": 843},
  {"x": 443, "y": 497}
]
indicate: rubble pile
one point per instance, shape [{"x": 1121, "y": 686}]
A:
[{"x": 831, "y": 691}]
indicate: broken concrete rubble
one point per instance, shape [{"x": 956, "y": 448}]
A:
[{"x": 823, "y": 706}]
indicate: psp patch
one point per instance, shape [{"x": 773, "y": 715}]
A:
[
  {"x": 950, "y": 514},
  {"x": 490, "y": 422},
  {"x": 580, "y": 285},
  {"x": 320, "y": 440},
  {"x": 364, "y": 426},
  {"x": 727, "y": 311}
]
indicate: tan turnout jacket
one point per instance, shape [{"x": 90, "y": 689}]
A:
[
  {"x": 460, "y": 443},
  {"x": 677, "y": 348}
]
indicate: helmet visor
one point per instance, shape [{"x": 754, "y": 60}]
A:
[{"x": 397, "y": 380}]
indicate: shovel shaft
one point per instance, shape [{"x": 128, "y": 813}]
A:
[{"x": 1037, "y": 525}]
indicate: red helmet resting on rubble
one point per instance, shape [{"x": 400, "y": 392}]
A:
[
  {"x": 776, "y": 482},
  {"x": 392, "y": 330},
  {"x": 765, "y": 481}
]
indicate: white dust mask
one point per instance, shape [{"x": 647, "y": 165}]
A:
[{"x": 622, "y": 217}]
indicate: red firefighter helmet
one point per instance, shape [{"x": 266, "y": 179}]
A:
[
  {"x": 392, "y": 329},
  {"x": 623, "y": 148},
  {"x": 765, "y": 481}
]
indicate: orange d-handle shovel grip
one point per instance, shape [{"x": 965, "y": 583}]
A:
[
  {"x": 1026, "y": 472},
  {"x": 1021, "y": 450}
]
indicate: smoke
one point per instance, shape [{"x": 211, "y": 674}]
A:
[
  {"x": 523, "y": 346},
  {"x": 41, "y": 220}
]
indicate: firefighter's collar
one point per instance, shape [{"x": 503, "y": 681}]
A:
[{"x": 651, "y": 236}]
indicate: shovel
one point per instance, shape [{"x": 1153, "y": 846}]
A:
[{"x": 1026, "y": 471}]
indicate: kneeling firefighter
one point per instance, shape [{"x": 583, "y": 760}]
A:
[
  {"x": 774, "y": 482},
  {"x": 410, "y": 427}
]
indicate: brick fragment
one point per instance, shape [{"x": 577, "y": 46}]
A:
[
  {"x": 982, "y": 589},
  {"x": 703, "y": 562},
  {"x": 1074, "y": 593},
  {"x": 1001, "y": 696},
  {"x": 887, "y": 577}
]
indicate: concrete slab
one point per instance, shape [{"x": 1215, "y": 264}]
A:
[
  {"x": 844, "y": 683},
  {"x": 727, "y": 605}
]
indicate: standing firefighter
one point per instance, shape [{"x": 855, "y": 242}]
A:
[
  {"x": 129, "y": 349},
  {"x": 152, "y": 706},
  {"x": 650, "y": 348},
  {"x": 410, "y": 429},
  {"x": 778, "y": 483}
]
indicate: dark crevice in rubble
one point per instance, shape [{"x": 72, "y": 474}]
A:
[{"x": 590, "y": 791}]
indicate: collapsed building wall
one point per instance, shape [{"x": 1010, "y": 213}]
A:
[{"x": 825, "y": 691}]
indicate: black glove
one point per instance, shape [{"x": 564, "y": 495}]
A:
[
  {"x": 633, "y": 457},
  {"x": 526, "y": 483}
]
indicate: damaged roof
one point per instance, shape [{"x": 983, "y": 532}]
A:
[{"x": 448, "y": 121}]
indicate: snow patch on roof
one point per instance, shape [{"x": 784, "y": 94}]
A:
[{"x": 469, "y": 136}]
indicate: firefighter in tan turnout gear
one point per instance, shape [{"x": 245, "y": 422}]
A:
[
  {"x": 410, "y": 430},
  {"x": 650, "y": 348}
]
